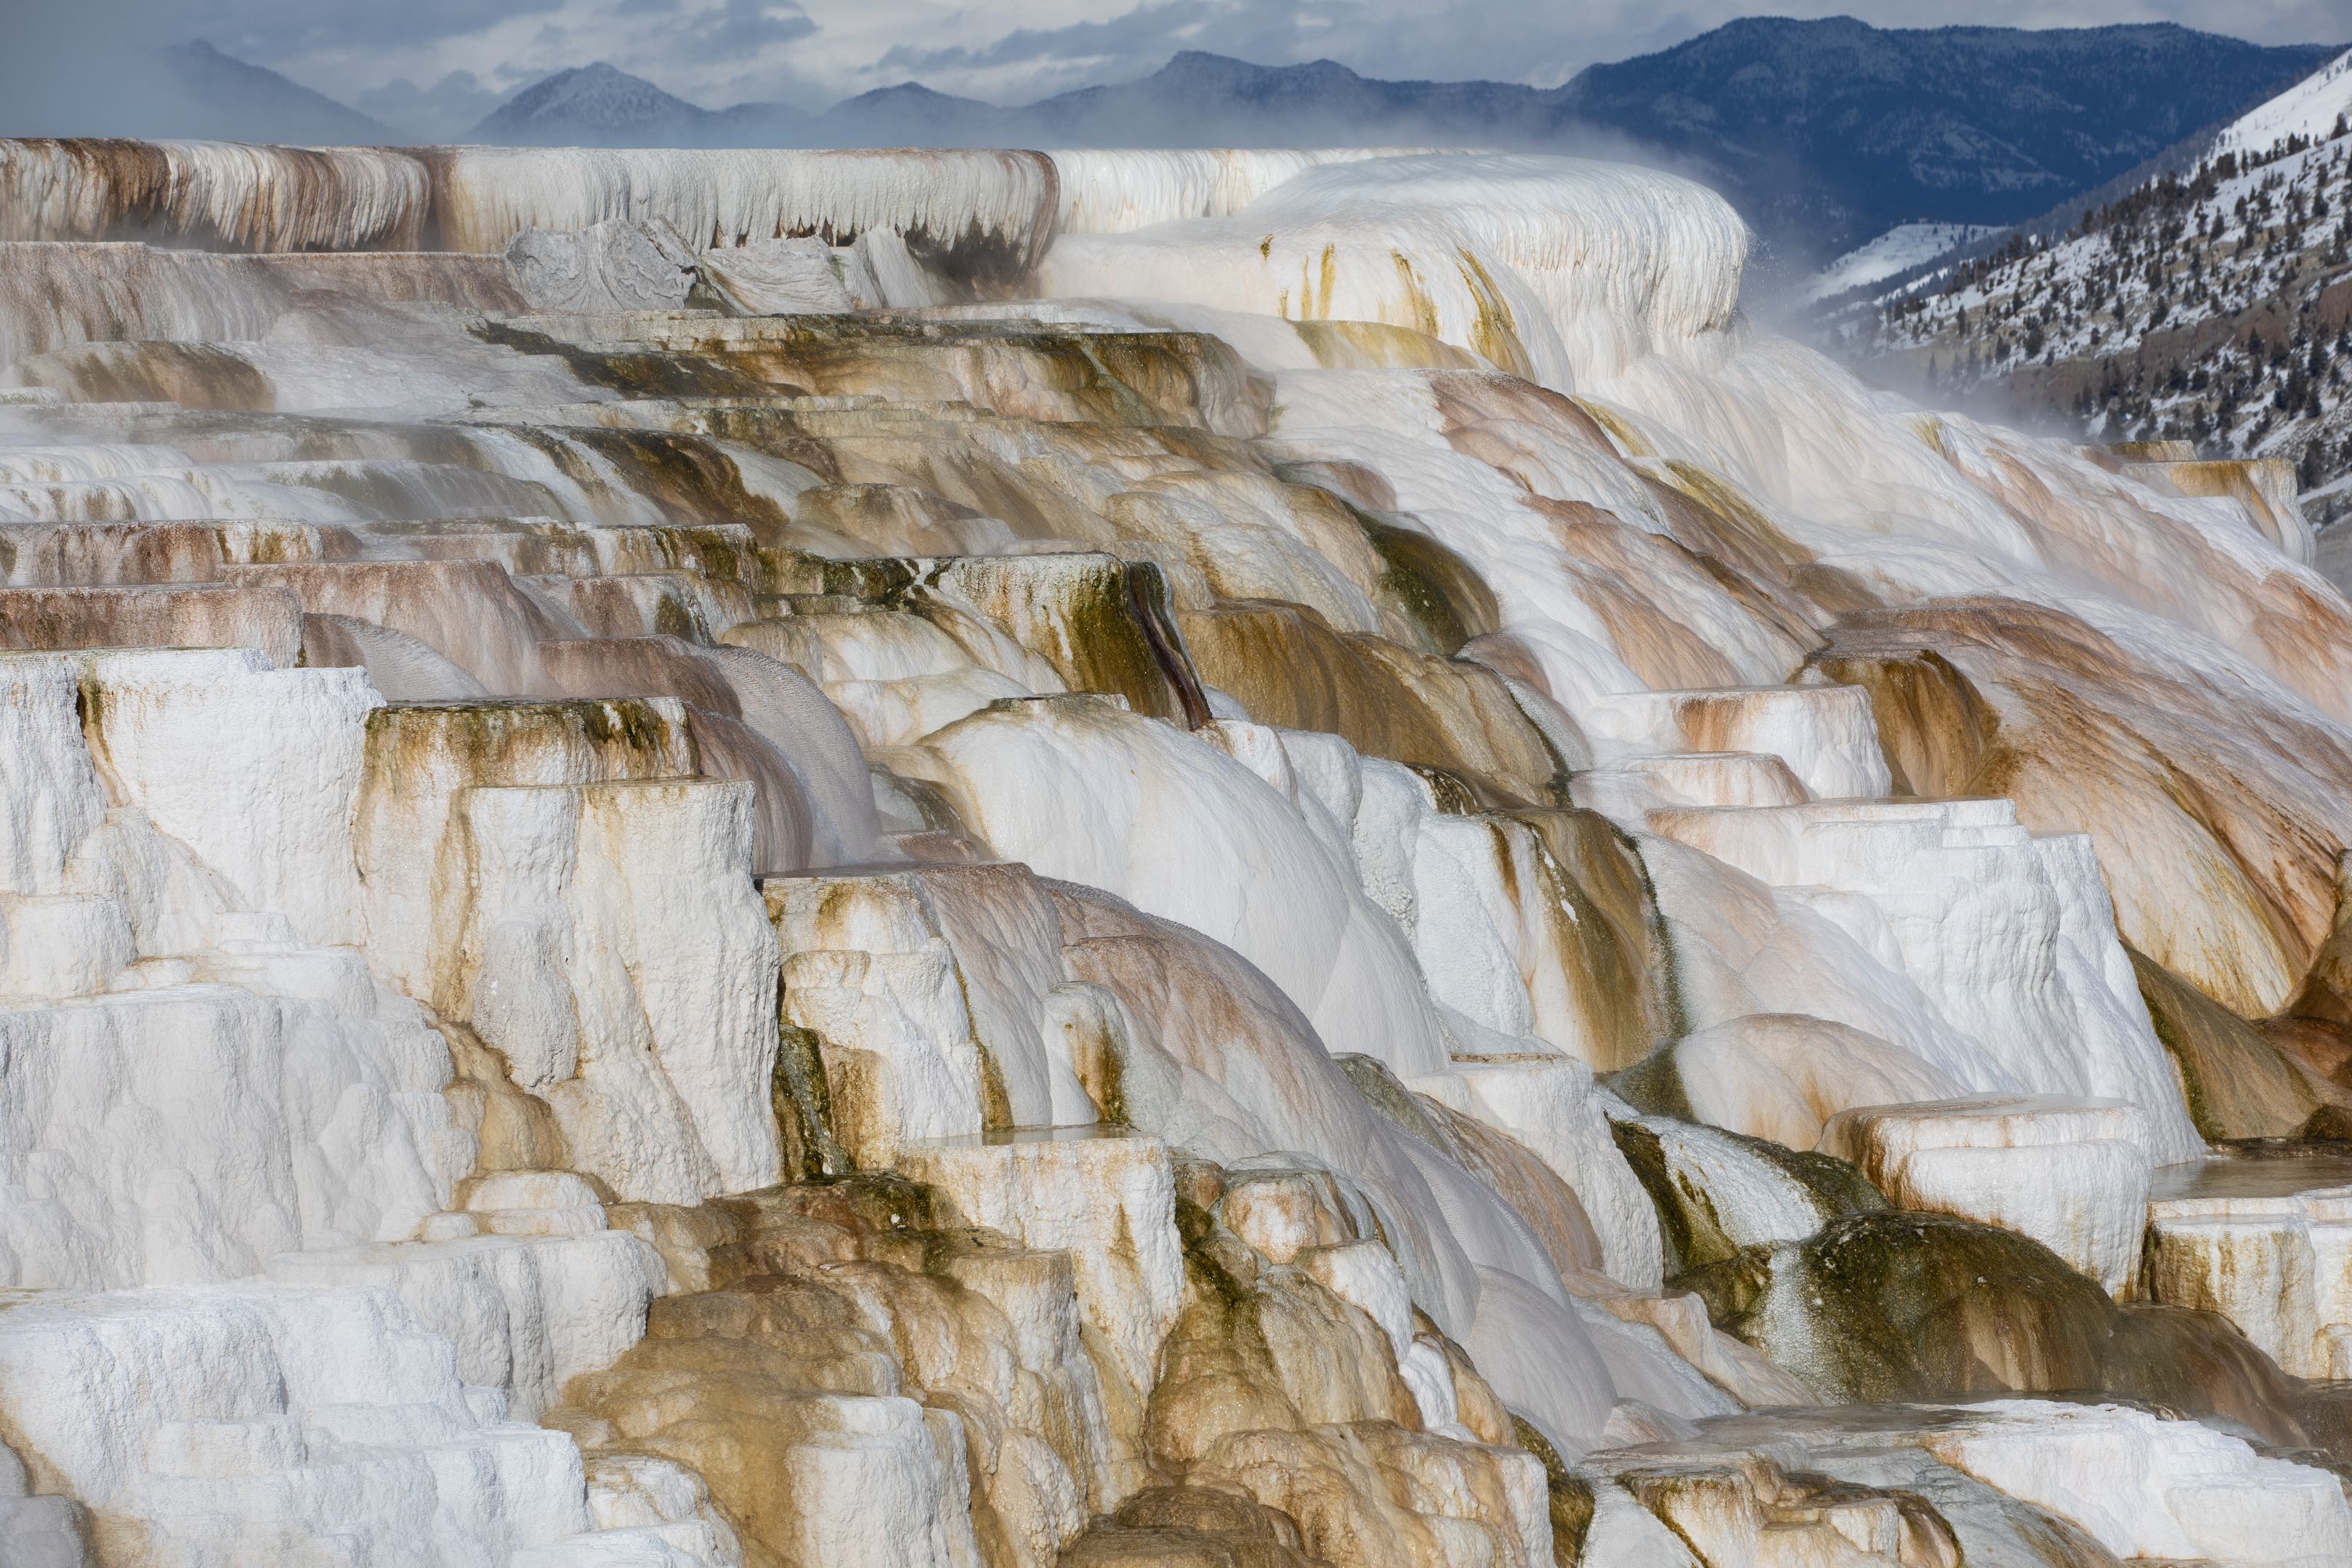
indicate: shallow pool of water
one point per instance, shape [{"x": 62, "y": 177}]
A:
[{"x": 2241, "y": 1173}]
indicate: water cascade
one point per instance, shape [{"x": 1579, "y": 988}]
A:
[{"x": 976, "y": 859}]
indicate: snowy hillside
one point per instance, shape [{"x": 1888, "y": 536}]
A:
[
  {"x": 1899, "y": 249},
  {"x": 2210, "y": 306},
  {"x": 584, "y": 107},
  {"x": 2314, "y": 108}
]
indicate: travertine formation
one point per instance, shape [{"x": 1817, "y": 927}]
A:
[{"x": 965, "y": 860}]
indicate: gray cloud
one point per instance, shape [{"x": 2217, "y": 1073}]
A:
[
  {"x": 269, "y": 31},
  {"x": 717, "y": 52},
  {"x": 740, "y": 24},
  {"x": 1142, "y": 32}
]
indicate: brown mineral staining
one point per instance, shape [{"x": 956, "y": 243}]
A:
[
  {"x": 1933, "y": 725},
  {"x": 2238, "y": 1083},
  {"x": 2232, "y": 888},
  {"x": 467, "y": 611},
  {"x": 1289, "y": 668},
  {"x": 867, "y": 1288},
  {"x": 1913, "y": 1306},
  {"x": 261, "y": 615},
  {"x": 1188, "y": 1527},
  {"x": 213, "y": 195},
  {"x": 1436, "y": 592},
  {"x": 1270, "y": 1387}
]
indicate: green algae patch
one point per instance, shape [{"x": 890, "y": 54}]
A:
[
  {"x": 801, "y": 1100},
  {"x": 1568, "y": 1495},
  {"x": 2237, "y": 1083},
  {"x": 1438, "y": 593}
]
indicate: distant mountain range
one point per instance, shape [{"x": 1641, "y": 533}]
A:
[
  {"x": 596, "y": 106},
  {"x": 1824, "y": 133},
  {"x": 1836, "y": 130},
  {"x": 250, "y": 103},
  {"x": 191, "y": 90}
]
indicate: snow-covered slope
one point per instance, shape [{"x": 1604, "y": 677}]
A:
[
  {"x": 2211, "y": 307},
  {"x": 587, "y": 107},
  {"x": 2315, "y": 110},
  {"x": 1899, "y": 249}
]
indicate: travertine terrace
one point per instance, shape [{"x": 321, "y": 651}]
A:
[{"x": 993, "y": 859}]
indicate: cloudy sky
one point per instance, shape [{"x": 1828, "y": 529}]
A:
[{"x": 431, "y": 68}]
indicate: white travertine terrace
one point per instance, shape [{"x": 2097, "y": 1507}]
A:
[
  {"x": 2072, "y": 1173},
  {"x": 487, "y": 196},
  {"x": 1114, "y": 190},
  {"x": 2278, "y": 1265},
  {"x": 987, "y": 858},
  {"x": 235, "y": 196},
  {"x": 1553, "y": 268}
]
